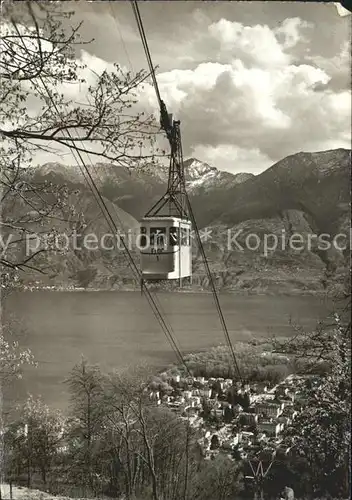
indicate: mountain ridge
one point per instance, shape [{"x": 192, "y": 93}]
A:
[
  {"x": 196, "y": 172},
  {"x": 305, "y": 193}
]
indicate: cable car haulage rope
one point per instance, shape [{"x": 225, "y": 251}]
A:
[
  {"x": 166, "y": 228},
  {"x": 166, "y": 251}
]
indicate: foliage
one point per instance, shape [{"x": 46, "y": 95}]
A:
[
  {"x": 32, "y": 441},
  {"x": 217, "y": 480},
  {"x": 54, "y": 103},
  {"x": 39, "y": 63},
  {"x": 152, "y": 441},
  {"x": 12, "y": 357},
  {"x": 215, "y": 443},
  {"x": 321, "y": 433},
  {"x": 12, "y": 360},
  {"x": 257, "y": 362},
  {"x": 85, "y": 385}
]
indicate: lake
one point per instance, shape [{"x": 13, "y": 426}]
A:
[{"x": 118, "y": 329}]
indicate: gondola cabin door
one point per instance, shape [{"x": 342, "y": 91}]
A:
[{"x": 166, "y": 250}]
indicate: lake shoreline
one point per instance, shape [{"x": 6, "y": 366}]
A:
[
  {"x": 239, "y": 293},
  {"x": 119, "y": 330}
]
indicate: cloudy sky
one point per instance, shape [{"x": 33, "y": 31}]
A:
[{"x": 251, "y": 82}]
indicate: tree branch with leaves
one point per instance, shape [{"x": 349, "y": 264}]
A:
[
  {"x": 320, "y": 435},
  {"x": 52, "y": 102}
]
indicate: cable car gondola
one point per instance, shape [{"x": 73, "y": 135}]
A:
[
  {"x": 165, "y": 240},
  {"x": 166, "y": 229},
  {"x": 165, "y": 248}
]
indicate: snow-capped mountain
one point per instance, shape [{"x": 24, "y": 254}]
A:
[{"x": 199, "y": 174}]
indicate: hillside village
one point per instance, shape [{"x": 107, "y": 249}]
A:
[{"x": 239, "y": 420}]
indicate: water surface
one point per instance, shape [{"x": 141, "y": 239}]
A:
[{"x": 119, "y": 330}]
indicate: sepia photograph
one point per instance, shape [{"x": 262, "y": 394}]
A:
[{"x": 175, "y": 250}]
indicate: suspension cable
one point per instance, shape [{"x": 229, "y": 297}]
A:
[
  {"x": 210, "y": 277},
  {"x": 193, "y": 220},
  {"x": 105, "y": 211},
  {"x": 117, "y": 24},
  {"x": 162, "y": 312},
  {"x": 213, "y": 288},
  {"x": 146, "y": 49},
  {"x": 152, "y": 73}
]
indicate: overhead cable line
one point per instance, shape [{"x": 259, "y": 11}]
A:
[
  {"x": 117, "y": 24},
  {"x": 165, "y": 121},
  {"x": 166, "y": 126},
  {"x": 181, "y": 360},
  {"x": 162, "y": 312},
  {"x": 214, "y": 292},
  {"x": 151, "y": 72},
  {"x": 106, "y": 213},
  {"x": 146, "y": 49}
]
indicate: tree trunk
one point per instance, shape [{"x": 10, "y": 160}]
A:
[
  {"x": 151, "y": 464},
  {"x": 44, "y": 476}
]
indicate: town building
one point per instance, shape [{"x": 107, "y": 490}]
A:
[
  {"x": 270, "y": 428},
  {"x": 248, "y": 418},
  {"x": 269, "y": 409}
]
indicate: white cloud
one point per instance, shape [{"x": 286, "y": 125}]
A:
[
  {"x": 254, "y": 45},
  {"x": 337, "y": 67},
  {"x": 246, "y": 99},
  {"x": 255, "y": 101},
  {"x": 291, "y": 30}
]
